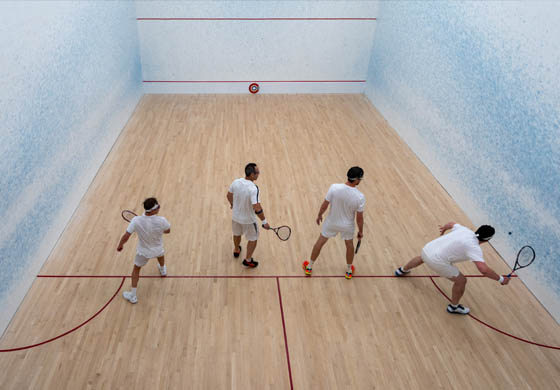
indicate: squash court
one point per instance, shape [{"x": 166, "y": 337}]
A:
[{"x": 211, "y": 323}]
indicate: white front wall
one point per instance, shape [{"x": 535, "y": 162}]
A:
[{"x": 283, "y": 56}]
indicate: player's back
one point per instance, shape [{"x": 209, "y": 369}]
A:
[
  {"x": 460, "y": 244},
  {"x": 245, "y": 194},
  {"x": 345, "y": 201}
]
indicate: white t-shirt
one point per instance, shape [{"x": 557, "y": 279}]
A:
[
  {"x": 345, "y": 202},
  {"x": 150, "y": 234},
  {"x": 460, "y": 244},
  {"x": 245, "y": 195}
]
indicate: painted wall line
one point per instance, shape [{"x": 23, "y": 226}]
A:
[
  {"x": 253, "y": 81},
  {"x": 257, "y": 19}
]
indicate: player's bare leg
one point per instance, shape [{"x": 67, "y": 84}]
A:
[
  {"x": 161, "y": 266},
  {"x": 349, "y": 258},
  {"x": 459, "y": 284},
  {"x": 135, "y": 276},
  {"x": 321, "y": 241},
  {"x": 413, "y": 263},
  {"x": 236, "y": 246},
  {"x": 308, "y": 265}
]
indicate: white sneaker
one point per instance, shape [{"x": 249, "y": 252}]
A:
[
  {"x": 460, "y": 309},
  {"x": 162, "y": 270},
  {"x": 129, "y": 297},
  {"x": 401, "y": 272}
]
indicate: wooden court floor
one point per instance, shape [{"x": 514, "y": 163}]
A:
[{"x": 211, "y": 324}]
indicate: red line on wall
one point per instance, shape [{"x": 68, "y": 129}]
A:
[
  {"x": 71, "y": 330},
  {"x": 254, "y": 81},
  {"x": 257, "y": 19},
  {"x": 494, "y": 328}
]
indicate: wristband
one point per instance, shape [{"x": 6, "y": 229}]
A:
[
  {"x": 264, "y": 221},
  {"x": 501, "y": 281}
]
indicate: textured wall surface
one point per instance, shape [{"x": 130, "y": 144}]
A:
[
  {"x": 71, "y": 77},
  {"x": 473, "y": 88},
  {"x": 256, "y": 50}
]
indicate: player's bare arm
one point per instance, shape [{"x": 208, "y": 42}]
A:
[
  {"x": 490, "y": 273},
  {"x": 123, "y": 241},
  {"x": 230, "y": 199},
  {"x": 360, "y": 222},
  {"x": 260, "y": 213},
  {"x": 446, "y": 227},
  {"x": 322, "y": 210}
]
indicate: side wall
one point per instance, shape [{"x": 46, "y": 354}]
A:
[
  {"x": 71, "y": 78},
  {"x": 473, "y": 88},
  {"x": 223, "y": 46}
]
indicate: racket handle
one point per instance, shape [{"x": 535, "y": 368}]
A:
[{"x": 509, "y": 276}]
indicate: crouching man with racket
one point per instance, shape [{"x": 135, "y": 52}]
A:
[
  {"x": 243, "y": 198},
  {"x": 150, "y": 228},
  {"x": 461, "y": 244},
  {"x": 346, "y": 201}
]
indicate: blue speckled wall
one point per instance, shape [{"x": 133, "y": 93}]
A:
[
  {"x": 71, "y": 77},
  {"x": 474, "y": 89}
]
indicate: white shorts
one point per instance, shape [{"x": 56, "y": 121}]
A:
[
  {"x": 249, "y": 230},
  {"x": 446, "y": 270},
  {"x": 141, "y": 261},
  {"x": 328, "y": 231}
]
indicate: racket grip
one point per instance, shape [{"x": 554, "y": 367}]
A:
[{"x": 509, "y": 276}]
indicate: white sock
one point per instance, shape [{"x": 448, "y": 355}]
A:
[
  {"x": 454, "y": 306},
  {"x": 404, "y": 270},
  {"x": 133, "y": 291},
  {"x": 348, "y": 267},
  {"x": 310, "y": 265}
]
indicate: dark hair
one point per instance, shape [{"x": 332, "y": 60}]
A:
[
  {"x": 250, "y": 169},
  {"x": 149, "y": 203},
  {"x": 355, "y": 173},
  {"x": 485, "y": 232}
]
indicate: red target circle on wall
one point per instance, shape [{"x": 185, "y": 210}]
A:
[{"x": 254, "y": 88}]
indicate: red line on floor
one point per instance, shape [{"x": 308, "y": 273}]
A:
[
  {"x": 285, "y": 336},
  {"x": 71, "y": 330},
  {"x": 249, "y": 276},
  {"x": 256, "y": 19},
  {"x": 494, "y": 328}
]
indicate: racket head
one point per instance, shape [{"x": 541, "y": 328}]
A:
[
  {"x": 128, "y": 215},
  {"x": 283, "y": 232},
  {"x": 525, "y": 257},
  {"x": 358, "y": 246}
]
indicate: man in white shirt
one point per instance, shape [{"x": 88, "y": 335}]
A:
[
  {"x": 346, "y": 201},
  {"x": 150, "y": 229},
  {"x": 461, "y": 244},
  {"x": 243, "y": 198}
]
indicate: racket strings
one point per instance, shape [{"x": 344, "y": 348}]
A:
[
  {"x": 284, "y": 233},
  {"x": 526, "y": 257},
  {"x": 128, "y": 215}
]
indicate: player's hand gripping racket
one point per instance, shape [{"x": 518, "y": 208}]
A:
[
  {"x": 283, "y": 232},
  {"x": 128, "y": 215},
  {"x": 525, "y": 257}
]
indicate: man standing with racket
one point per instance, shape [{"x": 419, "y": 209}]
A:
[
  {"x": 461, "y": 244},
  {"x": 150, "y": 228},
  {"x": 243, "y": 198},
  {"x": 346, "y": 202}
]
